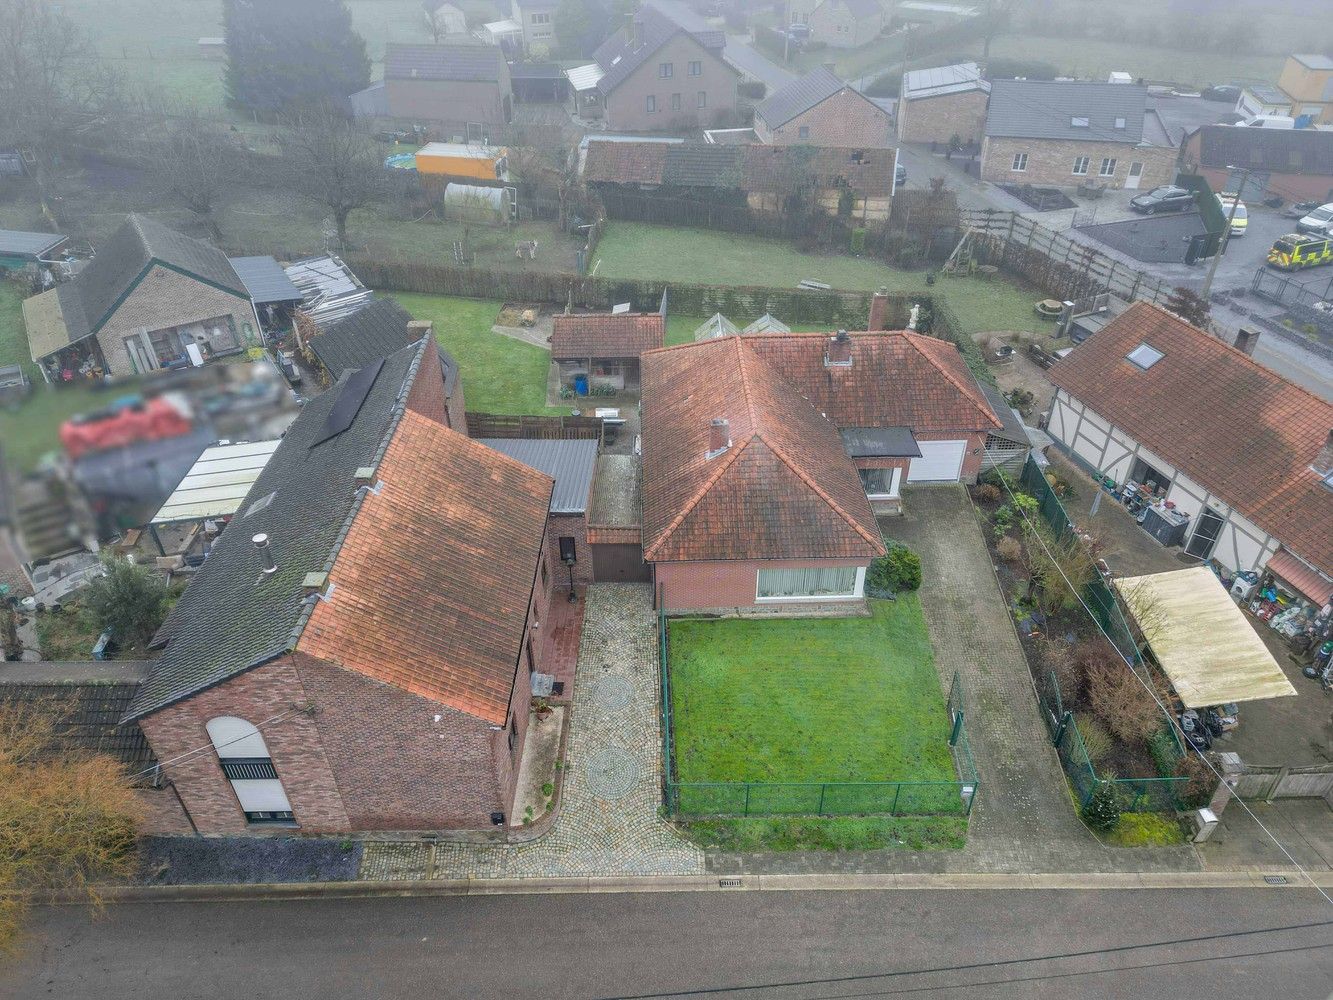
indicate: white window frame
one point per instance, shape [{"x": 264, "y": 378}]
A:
[
  {"x": 895, "y": 484},
  {"x": 1109, "y": 163},
  {"x": 1020, "y": 163},
  {"x": 675, "y": 102},
  {"x": 542, "y": 18},
  {"x": 666, "y": 71},
  {"x": 696, "y": 67},
  {"x": 857, "y": 593},
  {"x": 1084, "y": 162},
  {"x": 650, "y": 103}
]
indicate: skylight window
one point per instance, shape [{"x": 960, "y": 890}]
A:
[
  {"x": 1078, "y": 123},
  {"x": 260, "y": 504},
  {"x": 1120, "y": 123},
  {"x": 1144, "y": 357}
]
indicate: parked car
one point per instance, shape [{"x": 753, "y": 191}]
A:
[
  {"x": 899, "y": 176},
  {"x": 1240, "y": 218},
  {"x": 1268, "y": 121},
  {"x": 1319, "y": 221},
  {"x": 1299, "y": 209},
  {"x": 1163, "y": 199},
  {"x": 1224, "y": 93}
]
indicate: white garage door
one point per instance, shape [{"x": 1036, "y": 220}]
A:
[{"x": 940, "y": 462}]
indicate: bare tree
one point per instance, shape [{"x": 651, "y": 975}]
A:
[
  {"x": 336, "y": 163},
  {"x": 198, "y": 161},
  {"x": 436, "y": 21}
]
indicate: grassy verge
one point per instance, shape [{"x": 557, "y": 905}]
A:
[
  {"x": 1146, "y": 830},
  {"x": 32, "y": 428},
  {"x": 13, "y": 338},
  {"x": 500, "y": 375},
  {"x": 837, "y": 833}
]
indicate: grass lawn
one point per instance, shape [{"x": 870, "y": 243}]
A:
[
  {"x": 828, "y": 833},
  {"x": 13, "y": 338},
  {"x": 32, "y": 428},
  {"x": 1146, "y": 830},
  {"x": 699, "y": 256},
  {"x": 500, "y": 375},
  {"x": 812, "y": 700}
]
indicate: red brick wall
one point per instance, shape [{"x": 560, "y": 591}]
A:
[
  {"x": 427, "y": 393},
  {"x": 575, "y": 526},
  {"x": 938, "y": 119},
  {"x": 720, "y": 585},
  {"x": 161, "y": 813},
  {"x": 845, "y": 119}
]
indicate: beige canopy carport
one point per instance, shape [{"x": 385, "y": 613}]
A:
[{"x": 1210, "y": 652}]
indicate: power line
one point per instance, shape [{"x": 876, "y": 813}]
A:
[{"x": 212, "y": 746}]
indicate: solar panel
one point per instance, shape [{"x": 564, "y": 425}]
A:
[{"x": 349, "y": 402}]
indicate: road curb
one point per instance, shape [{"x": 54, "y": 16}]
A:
[{"x": 1255, "y": 878}]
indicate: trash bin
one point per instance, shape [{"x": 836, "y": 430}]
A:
[{"x": 581, "y": 385}]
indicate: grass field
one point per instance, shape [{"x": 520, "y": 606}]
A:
[
  {"x": 500, "y": 375},
  {"x": 13, "y": 339},
  {"x": 811, "y": 700},
  {"x": 828, "y": 833},
  {"x": 32, "y": 428},
  {"x": 644, "y": 251}
]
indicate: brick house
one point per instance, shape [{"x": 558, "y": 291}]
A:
[
  {"x": 653, "y": 75},
  {"x": 846, "y": 24},
  {"x": 1246, "y": 454},
  {"x": 454, "y": 84},
  {"x": 936, "y": 104},
  {"x": 821, "y": 110},
  {"x": 602, "y": 349},
  {"x": 357, "y": 649},
  {"x": 1066, "y": 133},
  {"x": 152, "y": 298},
  {"x": 1296, "y": 163},
  {"x": 766, "y": 458},
  {"x": 538, "y": 20}
]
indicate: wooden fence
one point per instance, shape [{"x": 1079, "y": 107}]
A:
[
  {"x": 1271, "y": 782},
  {"x": 553, "y": 428}
]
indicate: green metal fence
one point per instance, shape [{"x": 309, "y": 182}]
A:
[{"x": 814, "y": 798}]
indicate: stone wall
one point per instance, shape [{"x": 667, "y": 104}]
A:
[
  {"x": 1051, "y": 162},
  {"x": 938, "y": 119}
]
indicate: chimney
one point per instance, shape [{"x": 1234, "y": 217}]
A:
[
  {"x": 719, "y": 436},
  {"x": 831, "y": 67},
  {"x": 1246, "y": 339},
  {"x": 879, "y": 308},
  {"x": 265, "y": 553},
  {"x": 1323, "y": 463},
  {"x": 418, "y": 328},
  {"x": 839, "y": 350}
]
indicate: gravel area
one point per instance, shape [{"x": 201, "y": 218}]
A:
[
  {"x": 233, "y": 860},
  {"x": 615, "y": 499}
]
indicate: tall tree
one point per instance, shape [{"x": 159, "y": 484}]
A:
[
  {"x": 336, "y": 162},
  {"x": 580, "y": 26},
  {"x": 291, "y": 54},
  {"x": 196, "y": 162}
]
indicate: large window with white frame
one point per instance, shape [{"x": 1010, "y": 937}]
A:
[
  {"x": 881, "y": 484},
  {"x": 245, "y": 762},
  {"x": 1108, "y": 167},
  {"x": 815, "y": 583},
  {"x": 1020, "y": 163},
  {"x": 1081, "y": 165}
]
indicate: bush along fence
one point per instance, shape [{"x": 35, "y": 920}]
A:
[
  {"x": 1163, "y": 793},
  {"x": 686, "y": 799}
]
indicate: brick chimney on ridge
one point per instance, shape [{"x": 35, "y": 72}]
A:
[{"x": 879, "y": 308}]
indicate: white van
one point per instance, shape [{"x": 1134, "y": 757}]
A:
[{"x": 1269, "y": 121}]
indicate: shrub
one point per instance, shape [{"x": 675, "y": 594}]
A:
[
  {"x": 897, "y": 570},
  {"x": 1102, "y": 812},
  {"x": 1009, "y": 549},
  {"x": 1003, "y": 518},
  {"x": 1059, "y": 659},
  {"x": 753, "y": 89},
  {"x": 1165, "y": 755},
  {"x": 1096, "y": 740},
  {"x": 1120, "y": 701},
  {"x": 988, "y": 493},
  {"x": 998, "y": 69},
  {"x": 1202, "y": 781},
  {"x": 130, "y": 600}
]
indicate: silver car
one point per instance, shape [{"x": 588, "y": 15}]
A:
[{"x": 1319, "y": 222}]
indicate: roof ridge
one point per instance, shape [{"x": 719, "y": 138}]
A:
[
  {"x": 983, "y": 410},
  {"x": 733, "y": 454},
  {"x": 814, "y": 485}
]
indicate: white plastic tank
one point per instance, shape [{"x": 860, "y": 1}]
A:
[{"x": 478, "y": 203}]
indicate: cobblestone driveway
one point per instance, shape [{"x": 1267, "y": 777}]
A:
[{"x": 608, "y": 822}]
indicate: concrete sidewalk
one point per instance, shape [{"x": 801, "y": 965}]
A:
[{"x": 1304, "y": 826}]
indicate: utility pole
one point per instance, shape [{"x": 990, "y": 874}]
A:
[{"x": 1225, "y": 237}]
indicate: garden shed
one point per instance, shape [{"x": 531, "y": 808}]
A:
[
  {"x": 1202, "y": 640},
  {"x": 598, "y": 353}
]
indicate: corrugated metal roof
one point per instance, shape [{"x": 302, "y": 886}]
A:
[
  {"x": 880, "y": 442},
  {"x": 217, "y": 483},
  {"x": 14, "y": 243},
  {"x": 939, "y": 80},
  {"x": 265, "y": 280},
  {"x": 584, "y": 77},
  {"x": 569, "y": 463},
  {"x": 1047, "y": 109}
]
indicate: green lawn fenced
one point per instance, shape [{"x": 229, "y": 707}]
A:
[{"x": 754, "y": 725}]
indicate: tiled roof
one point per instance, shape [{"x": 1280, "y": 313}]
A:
[
  {"x": 1238, "y": 429},
  {"x": 625, "y": 162},
  {"x": 867, "y": 171},
  {"x": 932, "y": 388},
  {"x": 473, "y": 63},
  {"x": 603, "y": 335},
  {"x": 353, "y": 341},
  {"x": 233, "y": 616},
  {"x": 784, "y": 489},
  {"x": 1046, "y": 109},
  {"x": 799, "y": 96},
  {"x": 433, "y": 581},
  {"x": 625, "y": 51}
]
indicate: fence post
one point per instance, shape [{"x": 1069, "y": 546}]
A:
[
  {"x": 957, "y": 728},
  {"x": 896, "y": 789},
  {"x": 820, "y": 810},
  {"x": 747, "y": 799},
  {"x": 1060, "y": 730}
]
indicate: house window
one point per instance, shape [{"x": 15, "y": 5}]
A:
[
  {"x": 814, "y": 583},
  {"x": 1078, "y": 123},
  {"x": 701, "y": 99},
  {"x": 1080, "y": 164},
  {"x": 803, "y": 132},
  {"x": 245, "y": 762},
  {"x": 666, "y": 70},
  {"x": 696, "y": 69},
  {"x": 652, "y": 104},
  {"x": 1120, "y": 123},
  {"x": 881, "y": 483},
  {"x": 541, "y": 18},
  {"x": 1020, "y": 162},
  {"x": 675, "y": 102},
  {"x": 1108, "y": 167}
]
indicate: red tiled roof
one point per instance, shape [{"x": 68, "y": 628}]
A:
[
  {"x": 1240, "y": 430},
  {"x": 432, "y": 583},
  {"x": 1310, "y": 583},
  {"x": 896, "y": 379},
  {"x": 602, "y": 335},
  {"x": 625, "y": 162},
  {"x": 785, "y": 489}
]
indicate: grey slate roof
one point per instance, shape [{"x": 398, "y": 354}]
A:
[
  {"x": 375, "y": 331},
  {"x": 233, "y": 616},
  {"x": 937, "y": 81},
  {"x": 619, "y": 56},
  {"x": 1044, "y": 109},
  {"x": 29, "y": 245},
  {"x": 880, "y": 442},
  {"x": 799, "y": 96},
  {"x": 265, "y": 280},
  {"x": 569, "y": 463},
  {"x": 443, "y": 62},
  {"x": 1013, "y": 425}
]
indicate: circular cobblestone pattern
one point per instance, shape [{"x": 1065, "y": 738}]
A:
[
  {"x": 611, "y": 773},
  {"x": 612, "y": 694}
]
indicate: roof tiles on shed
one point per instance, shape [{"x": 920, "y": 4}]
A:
[{"x": 606, "y": 335}]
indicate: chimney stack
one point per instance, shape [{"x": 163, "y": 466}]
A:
[
  {"x": 719, "y": 436},
  {"x": 879, "y": 308},
  {"x": 418, "y": 328},
  {"x": 265, "y": 553},
  {"x": 1323, "y": 463},
  {"x": 1246, "y": 339},
  {"x": 839, "y": 350}
]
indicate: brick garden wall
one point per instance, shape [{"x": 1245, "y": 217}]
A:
[
  {"x": 576, "y": 527},
  {"x": 723, "y": 587},
  {"x": 938, "y": 119}
]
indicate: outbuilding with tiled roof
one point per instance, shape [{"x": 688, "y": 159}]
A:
[{"x": 601, "y": 350}]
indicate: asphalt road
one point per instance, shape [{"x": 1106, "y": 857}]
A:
[{"x": 982, "y": 944}]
